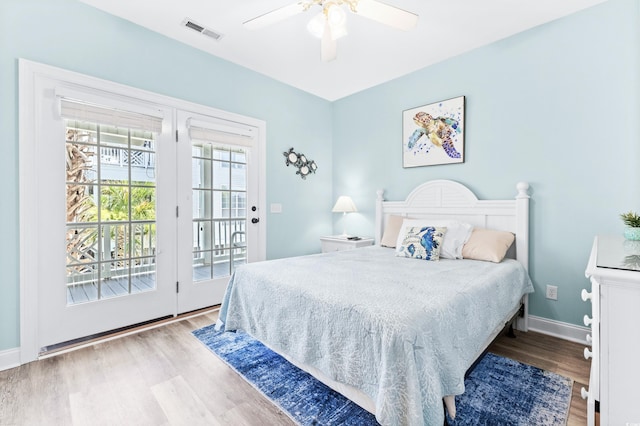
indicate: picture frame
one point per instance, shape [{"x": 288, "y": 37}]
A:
[{"x": 433, "y": 134}]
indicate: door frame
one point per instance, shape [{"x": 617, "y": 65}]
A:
[{"x": 32, "y": 76}]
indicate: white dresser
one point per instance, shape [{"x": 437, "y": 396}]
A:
[
  {"x": 339, "y": 243},
  {"x": 614, "y": 272}
]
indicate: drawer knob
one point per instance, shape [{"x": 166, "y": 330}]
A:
[
  {"x": 586, "y": 295},
  {"x": 584, "y": 393},
  {"x": 587, "y": 353},
  {"x": 587, "y": 320},
  {"x": 589, "y": 338}
]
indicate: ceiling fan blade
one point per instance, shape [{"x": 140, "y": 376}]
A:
[
  {"x": 328, "y": 46},
  {"x": 386, "y": 14},
  {"x": 274, "y": 16}
]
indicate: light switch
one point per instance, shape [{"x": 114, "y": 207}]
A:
[{"x": 276, "y": 208}]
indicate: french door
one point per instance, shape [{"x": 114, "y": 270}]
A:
[
  {"x": 218, "y": 196},
  {"x": 132, "y": 209},
  {"x": 105, "y": 241}
]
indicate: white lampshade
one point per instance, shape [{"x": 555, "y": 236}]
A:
[
  {"x": 344, "y": 205},
  {"x": 316, "y": 25}
]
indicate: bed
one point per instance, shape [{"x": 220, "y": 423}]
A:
[{"x": 394, "y": 334}]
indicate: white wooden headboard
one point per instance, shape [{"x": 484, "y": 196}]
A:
[{"x": 446, "y": 199}]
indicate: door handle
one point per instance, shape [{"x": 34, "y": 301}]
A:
[{"x": 255, "y": 220}]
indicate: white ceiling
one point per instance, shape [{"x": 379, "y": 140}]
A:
[{"x": 369, "y": 55}]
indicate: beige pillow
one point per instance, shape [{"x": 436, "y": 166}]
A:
[
  {"x": 391, "y": 231},
  {"x": 487, "y": 244}
]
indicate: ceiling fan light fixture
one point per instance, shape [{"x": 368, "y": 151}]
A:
[
  {"x": 337, "y": 33},
  {"x": 336, "y": 15},
  {"x": 316, "y": 25},
  {"x": 330, "y": 25},
  {"x": 337, "y": 19}
]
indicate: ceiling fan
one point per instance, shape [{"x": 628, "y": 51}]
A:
[{"x": 330, "y": 24}]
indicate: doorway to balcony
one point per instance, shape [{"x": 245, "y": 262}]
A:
[{"x": 133, "y": 207}]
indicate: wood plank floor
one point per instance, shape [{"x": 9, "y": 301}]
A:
[{"x": 164, "y": 376}]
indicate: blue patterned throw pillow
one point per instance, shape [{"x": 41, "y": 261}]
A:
[{"x": 422, "y": 242}]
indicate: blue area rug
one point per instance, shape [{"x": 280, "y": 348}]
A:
[{"x": 499, "y": 391}]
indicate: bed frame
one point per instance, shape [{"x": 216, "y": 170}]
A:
[{"x": 446, "y": 199}]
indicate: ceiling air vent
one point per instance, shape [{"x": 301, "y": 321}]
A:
[{"x": 202, "y": 30}]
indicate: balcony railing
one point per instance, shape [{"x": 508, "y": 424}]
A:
[{"x": 122, "y": 157}]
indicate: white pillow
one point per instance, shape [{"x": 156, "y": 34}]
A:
[{"x": 457, "y": 235}]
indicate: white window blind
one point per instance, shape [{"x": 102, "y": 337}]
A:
[
  {"x": 219, "y": 133},
  {"x": 75, "y": 110},
  {"x": 217, "y": 136}
]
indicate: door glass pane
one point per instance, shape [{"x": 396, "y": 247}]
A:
[
  {"x": 219, "y": 214},
  {"x": 221, "y": 203},
  {"x": 221, "y": 176},
  {"x": 202, "y": 240},
  {"x": 82, "y": 283},
  {"x": 111, "y": 211},
  {"x": 143, "y": 202},
  {"x": 202, "y": 204},
  {"x": 238, "y": 205},
  {"x": 219, "y": 152},
  {"x": 238, "y": 174},
  {"x": 239, "y": 156},
  {"x": 114, "y": 242},
  {"x": 81, "y": 203},
  {"x": 201, "y": 173},
  {"x": 221, "y": 234}
]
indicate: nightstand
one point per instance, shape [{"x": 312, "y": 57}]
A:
[{"x": 339, "y": 243}]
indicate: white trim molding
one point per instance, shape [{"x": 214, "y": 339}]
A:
[
  {"x": 562, "y": 330},
  {"x": 9, "y": 358}
]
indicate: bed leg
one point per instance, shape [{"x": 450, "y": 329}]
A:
[
  {"x": 510, "y": 332},
  {"x": 444, "y": 406}
]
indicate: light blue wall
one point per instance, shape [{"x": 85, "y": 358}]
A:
[
  {"x": 557, "y": 106},
  {"x": 74, "y": 36}
]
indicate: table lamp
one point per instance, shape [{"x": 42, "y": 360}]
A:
[{"x": 344, "y": 205}]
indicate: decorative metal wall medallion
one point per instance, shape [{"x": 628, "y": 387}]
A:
[{"x": 300, "y": 161}]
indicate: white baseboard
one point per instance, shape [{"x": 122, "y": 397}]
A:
[
  {"x": 563, "y": 330},
  {"x": 9, "y": 358}
]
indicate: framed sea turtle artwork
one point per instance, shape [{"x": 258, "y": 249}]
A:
[{"x": 433, "y": 134}]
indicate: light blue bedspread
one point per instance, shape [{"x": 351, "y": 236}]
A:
[{"x": 402, "y": 330}]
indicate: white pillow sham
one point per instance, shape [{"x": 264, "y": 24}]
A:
[{"x": 457, "y": 235}]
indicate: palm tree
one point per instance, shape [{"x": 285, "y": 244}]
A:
[
  {"x": 115, "y": 199},
  {"x": 80, "y": 205}
]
